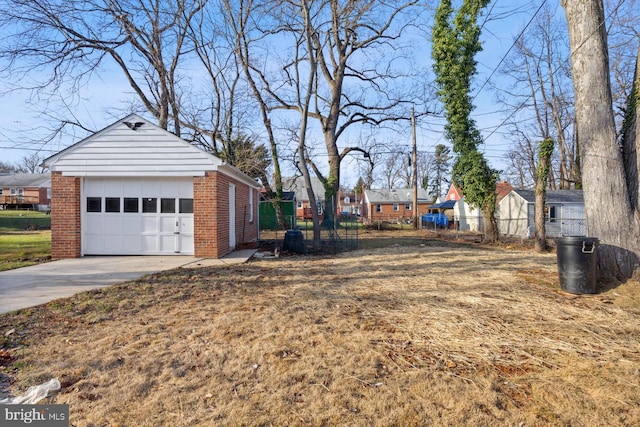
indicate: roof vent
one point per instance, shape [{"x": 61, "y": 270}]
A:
[{"x": 134, "y": 126}]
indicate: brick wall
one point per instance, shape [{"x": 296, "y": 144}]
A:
[
  {"x": 210, "y": 206},
  {"x": 388, "y": 214},
  {"x": 65, "y": 216},
  {"x": 211, "y": 215},
  {"x": 246, "y": 230},
  {"x": 42, "y": 196},
  {"x": 204, "y": 216}
]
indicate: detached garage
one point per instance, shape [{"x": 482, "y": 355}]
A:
[{"x": 136, "y": 189}]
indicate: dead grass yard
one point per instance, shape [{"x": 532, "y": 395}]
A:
[{"x": 411, "y": 332}]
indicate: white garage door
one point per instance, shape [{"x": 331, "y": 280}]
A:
[{"x": 137, "y": 216}]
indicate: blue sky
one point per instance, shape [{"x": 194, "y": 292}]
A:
[{"x": 19, "y": 120}]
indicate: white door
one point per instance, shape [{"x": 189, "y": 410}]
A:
[
  {"x": 232, "y": 216},
  {"x": 137, "y": 216}
]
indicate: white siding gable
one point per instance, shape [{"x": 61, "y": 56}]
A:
[
  {"x": 119, "y": 150},
  {"x": 468, "y": 219},
  {"x": 514, "y": 215}
]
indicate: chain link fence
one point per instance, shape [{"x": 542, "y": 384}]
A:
[
  {"x": 514, "y": 227},
  {"x": 336, "y": 235}
]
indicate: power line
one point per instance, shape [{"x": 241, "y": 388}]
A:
[
  {"x": 557, "y": 69},
  {"x": 28, "y": 149},
  {"x": 495, "y": 69}
]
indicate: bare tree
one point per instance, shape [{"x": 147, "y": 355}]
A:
[
  {"x": 395, "y": 170},
  {"x": 521, "y": 160},
  {"x": 610, "y": 175},
  {"x": 31, "y": 163},
  {"x": 623, "y": 21},
  {"x": 6, "y": 167},
  {"x": 241, "y": 17},
  {"x": 72, "y": 39},
  {"x": 541, "y": 92},
  {"x": 351, "y": 86},
  {"x": 440, "y": 165},
  {"x": 305, "y": 92}
]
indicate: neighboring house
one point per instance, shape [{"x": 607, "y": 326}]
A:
[
  {"x": 268, "y": 218},
  {"x": 459, "y": 214},
  {"x": 303, "y": 208},
  {"x": 468, "y": 219},
  {"x": 22, "y": 190},
  {"x": 502, "y": 189},
  {"x": 454, "y": 193},
  {"x": 393, "y": 205},
  {"x": 350, "y": 203},
  {"x": 564, "y": 213},
  {"x": 135, "y": 189}
]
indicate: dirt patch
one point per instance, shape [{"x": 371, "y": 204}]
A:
[{"x": 405, "y": 332}]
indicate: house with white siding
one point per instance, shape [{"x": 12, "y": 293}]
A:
[
  {"x": 134, "y": 188},
  {"x": 564, "y": 213}
]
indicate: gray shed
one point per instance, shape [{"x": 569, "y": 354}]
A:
[{"x": 564, "y": 213}]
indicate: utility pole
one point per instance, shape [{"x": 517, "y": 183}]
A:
[{"x": 414, "y": 156}]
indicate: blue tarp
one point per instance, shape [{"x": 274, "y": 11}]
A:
[{"x": 439, "y": 219}]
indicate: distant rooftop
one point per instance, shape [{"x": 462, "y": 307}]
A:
[
  {"x": 554, "y": 196},
  {"x": 25, "y": 180},
  {"x": 401, "y": 195}
]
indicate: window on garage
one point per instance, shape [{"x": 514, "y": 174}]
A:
[
  {"x": 167, "y": 205},
  {"x": 112, "y": 204},
  {"x": 149, "y": 205},
  {"x": 94, "y": 204},
  {"x": 130, "y": 205},
  {"x": 186, "y": 205}
]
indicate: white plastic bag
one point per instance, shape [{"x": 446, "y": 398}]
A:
[{"x": 34, "y": 393}]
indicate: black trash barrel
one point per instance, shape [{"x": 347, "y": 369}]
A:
[
  {"x": 577, "y": 262},
  {"x": 293, "y": 241}
]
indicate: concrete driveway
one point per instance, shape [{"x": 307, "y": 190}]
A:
[{"x": 38, "y": 284}]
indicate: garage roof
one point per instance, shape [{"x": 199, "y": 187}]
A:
[{"x": 134, "y": 147}]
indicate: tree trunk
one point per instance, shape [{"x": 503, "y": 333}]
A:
[
  {"x": 543, "y": 168},
  {"x": 540, "y": 242},
  {"x": 630, "y": 130},
  {"x": 490, "y": 234},
  {"x": 609, "y": 213}
]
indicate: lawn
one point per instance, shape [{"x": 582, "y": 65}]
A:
[
  {"x": 24, "y": 238},
  {"x": 408, "y": 331},
  {"x": 23, "y": 248},
  {"x": 15, "y": 220}
]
